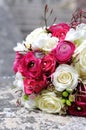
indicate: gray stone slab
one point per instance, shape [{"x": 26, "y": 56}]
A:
[{"x": 9, "y": 36}]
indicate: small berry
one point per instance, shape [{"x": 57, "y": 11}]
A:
[
  {"x": 63, "y": 101},
  {"x": 68, "y": 103},
  {"x": 65, "y": 94},
  {"x": 71, "y": 98}
]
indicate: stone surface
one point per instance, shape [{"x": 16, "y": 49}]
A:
[
  {"x": 9, "y": 36},
  {"x": 18, "y": 118}
]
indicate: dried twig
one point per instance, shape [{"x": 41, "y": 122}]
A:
[
  {"x": 47, "y": 14},
  {"x": 79, "y": 16}
]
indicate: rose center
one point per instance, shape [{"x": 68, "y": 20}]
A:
[
  {"x": 64, "y": 77},
  {"x": 64, "y": 48},
  {"x": 45, "y": 63},
  {"x": 31, "y": 64}
]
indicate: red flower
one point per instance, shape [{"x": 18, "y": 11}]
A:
[
  {"x": 48, "y": 64},
  {"x": 34, "y": 85},
  {"x": 64, "y": 51},
  {"x": 30, "y": 66},
  {"x": 78, "y": 108},
  {"x": 59, "y": 30},
  {"x": 17, "y": 62}
]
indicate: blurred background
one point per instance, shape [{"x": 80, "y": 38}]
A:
[
  {"x": 28, "y": 13},
  {"x": 19, "y": 17}
]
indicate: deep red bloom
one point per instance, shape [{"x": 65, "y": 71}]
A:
[
  {"x": 17, "y": 61},
  {"x": 78, "y": 108},
  {"x": 30, "y": 66},
  {"x": 59, "y": 30},
  {"x": 34, "y": 85},
  {"x": 48, "y": 64}
]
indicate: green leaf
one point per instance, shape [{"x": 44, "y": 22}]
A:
[{"x": 26, "y": 97}]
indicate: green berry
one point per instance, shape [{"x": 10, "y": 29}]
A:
[
  {"x": 63, "y": 101},
  {"x": 65, "y": 94},
  {"x": 71, "y": 98},
  {"x": 68, "y": 103}
]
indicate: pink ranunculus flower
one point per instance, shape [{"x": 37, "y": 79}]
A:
[
  {"x": 78, "y": 108},
  {"x": 48, "y": 64},
  {"x": 64, "y": 51},
  {"x": 30, "y": 66},
  {"x": 59, "y": 30},
  {"x": 35, "y": 85},
  {"x": 16, "y": 64}
]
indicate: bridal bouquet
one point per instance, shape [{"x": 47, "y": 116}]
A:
[{"x": 50, "y": 68}]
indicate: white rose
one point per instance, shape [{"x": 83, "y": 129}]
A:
[
  {"x": 80, "y": 48},
  {"x": 65, "y": 77},
  {"x": 19, "y": 81},
  {"x": 81, "y": 26},
  {"x": 78, "y": 35},
  {"x": 46, "y": 43},
  {"x": 48, "y": 102},
  {"x": 82, "y": 64},
  {"x": 34, "y": 35},
  {"x": 40, "y": 39},
  {"x": 20, "y": 48}
]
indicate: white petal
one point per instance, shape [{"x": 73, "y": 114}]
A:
[{"x": 20, "y": 47}]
